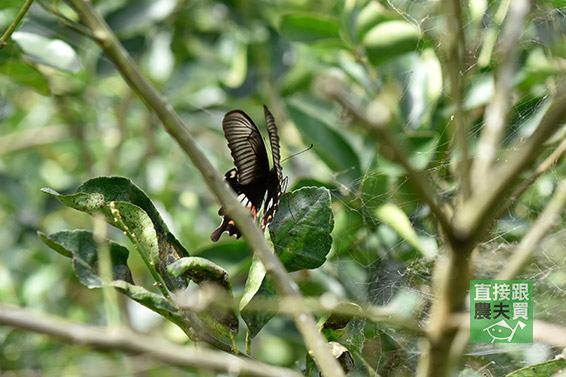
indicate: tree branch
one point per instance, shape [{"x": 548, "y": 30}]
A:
[
  {"x": 8, "y": 33},
  {"x": 454, "y": 65},
  {"x": 548, "y": 163},
  {"x": 209, "y": 294},
  {"x": 498, "y": 108},
  {"x": 475, "y": 214},
  {"x": 548, "y": 220},
  {"x": 121, "y": 339},
  {"x": 304, "y": 321}
]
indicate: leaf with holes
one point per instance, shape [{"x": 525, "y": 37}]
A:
[
  {"x": 301, "y": 229},
  {"x": 548, "y": 368},
  {"x": 118, "y": 198},
  {"x": 203, "y": 271},
  {"x": 81, "y": 247}
]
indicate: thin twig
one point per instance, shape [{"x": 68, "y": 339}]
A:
[
  {"x": 8, "y": 33},
  {"x": 491, "y": 35},
  {"x": 209, "y": 295},
  {"x": 454, "y": 65},
  {"x": 553, "y": 159},
  {"x": 121, "y": 339},
  {"x": 498, "y": 108},
  {"x": 304, "y": 321},
  {"x": 547, "y": 220},
  {"x": 65, "y": 21}
]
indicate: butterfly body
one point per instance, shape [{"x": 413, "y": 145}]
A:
[{"x": 252, "y": 179}]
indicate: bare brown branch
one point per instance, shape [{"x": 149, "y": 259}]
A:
[{"x": 121, "y": 339}]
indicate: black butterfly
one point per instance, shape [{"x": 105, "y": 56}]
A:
[{"x": 251, "y": 178}]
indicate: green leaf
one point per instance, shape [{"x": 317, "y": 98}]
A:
[
  {"x": 300, "y": 231},
  {"x": 200, "y": 270},
  {"x": 51, "y": 52},
  {"x": 332, "y": 325},
  {"x": 343, "y": 355},
  {"x": 548, "y": 368},
  {"x": 14, "y": 67},
  {"x": 118, "y": 196},
  {"x": 423, "y": 147},
  {"x": 203, "y": 271},
  {"x": 315, "y": 128},
  {"x": 374, "y": 189},
  {"x": 309, "y": 27},
  {"x": 257, "y": 287},
  {"x": 256, "y": 319},
  {"x": 81, "y": 247},
  {"x": 390, "y": 39},
  {"x": 393, "y": 216},
  {"x": 11, "y": 4},
  {"x": 253, "y": 283},
  {"x": 372, "y": 14},
  {"x": 153, "y": 301}
]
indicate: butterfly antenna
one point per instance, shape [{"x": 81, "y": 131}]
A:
[{"x": 298, "y": 153}]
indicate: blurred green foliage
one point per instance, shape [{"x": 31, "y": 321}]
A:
[{"x": 66, "y": 115}]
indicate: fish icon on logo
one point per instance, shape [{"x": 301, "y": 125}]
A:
[{"x": 502, "y": 331}]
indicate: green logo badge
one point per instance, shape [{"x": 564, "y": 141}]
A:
[{"x": 501, "y": 311}]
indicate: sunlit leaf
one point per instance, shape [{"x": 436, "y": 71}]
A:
[
  {"x": 256, "y": 319},
  {"x": 253, "y": 283},
  {"x": 52, "y": 52},
  {"x": 393, "y": 216},
  {"x": 372, "y": 14},
  {"x": 343, "y": 355},
  {"x": 390, "y": 39},
  {"x": 14, "y": 67}
]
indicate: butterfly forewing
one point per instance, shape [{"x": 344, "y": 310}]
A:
[{"x": 246, "y": 146}]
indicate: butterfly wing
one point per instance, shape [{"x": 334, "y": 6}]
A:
[
  {"x": 274, "y": 179},
  {"x": 273, "y": 141},
  {"x": 246, "y": 146},
  {"x": 249, "y": 178}
]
